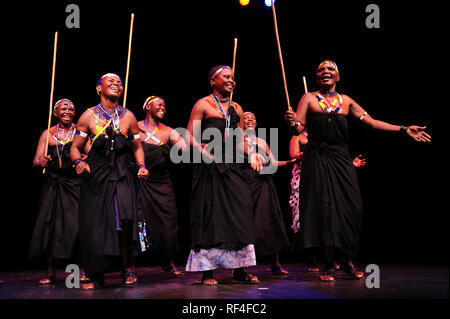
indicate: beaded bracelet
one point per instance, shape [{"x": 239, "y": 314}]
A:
[
  {"x": 75, "y": 162},
  {"x": 141, "y": 165}
]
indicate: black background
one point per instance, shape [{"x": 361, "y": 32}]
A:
[{"x": 388, "y": 71}]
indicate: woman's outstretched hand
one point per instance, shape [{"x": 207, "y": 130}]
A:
[{"x": 418, "y": 133}]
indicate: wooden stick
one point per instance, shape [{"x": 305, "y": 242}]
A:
[
  {"x": 234, "y": 62},
  {"x": 55, "y": 45},
  {"x": 304, "y": 84},
  {"x": 128, "y": 61},
  {"x": 280, "y": 55}
]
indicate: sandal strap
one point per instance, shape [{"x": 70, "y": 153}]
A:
[
  {"x": 243, "y": 275},
  {"x": 128, "y": 274}
]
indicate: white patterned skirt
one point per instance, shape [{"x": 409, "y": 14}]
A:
[{"x": 213, "y": 258}]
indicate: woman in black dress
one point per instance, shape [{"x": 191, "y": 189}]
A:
[
  {"x": 221, "y": 206},
  {"x": 270, "y": 232},
  {"x": 107, "y": 211},
  {"x": 156, "y": 197},
  {"x": 296, "y": 147},
  {"x": 56, "y": 227},
  {"x": 330, "y": 201}
]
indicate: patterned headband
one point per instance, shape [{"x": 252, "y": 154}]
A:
[
  {"x": 150, "y": 99},
  {"x": 219, "y": 70},
  {"x": 330, "y": 63},
  {"x": 67, "y": 103},
  {"x": 99, "y": 82}
]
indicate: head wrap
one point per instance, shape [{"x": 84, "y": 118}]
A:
[
  {"x": 150, "y": 99},
  {"x": 62, "y": 102},
  {"x": 334, "y": 65}
]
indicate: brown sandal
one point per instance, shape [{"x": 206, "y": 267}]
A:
[
  {"x": 47, "y": 280},
  {"x": 172, "y": 270},
  {"x": 129, "y": 278},
  {"x": 93, "y": 284},
  {"x": 350, "y": 269},
  {"x": 329, "y": 276},
  {"x": 245, "y": 277},
  {"x": 209, "y": 282},
  {"x": 278, "y": 270}
]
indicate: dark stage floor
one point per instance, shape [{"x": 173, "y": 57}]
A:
[{"x": 396, "y": 282}]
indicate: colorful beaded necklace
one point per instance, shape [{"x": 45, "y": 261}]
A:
[
  {"x": 62, "y": 140},
  {"x": 151, "y": 135},
  {"x": 114, "y": 117},
  {"x": 328, "y": 107}
]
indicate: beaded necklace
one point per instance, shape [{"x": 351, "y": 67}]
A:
[
  {"x": 328, "y": 107},
  {"x": 152, "y": 134},
  {"x": 251, "y": 142},
  {"x": 63, "y": 142},
  {"x": 219, "y": 108},
  {"x": 114, "y": 117}
]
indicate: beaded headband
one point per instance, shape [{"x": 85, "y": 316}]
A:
[
  {"x": 219, "y": 70},
  {"x": 150, "y": 99},
  {"x": 68, "y": 102},
  {"x": 334, "y": 65},
  {"x": 99, "y": 82}
]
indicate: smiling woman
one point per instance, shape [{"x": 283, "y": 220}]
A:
[
  {"x": 331, "y": 214},
  {"x": 57, "y": 221},
  {"x": 222, "y": 78},
  {"x": 112, "y": 82},
  {"x": 221, "y": 209},
  {"x": 156, "y": 197},
  {"x": 108, "y": 215}
]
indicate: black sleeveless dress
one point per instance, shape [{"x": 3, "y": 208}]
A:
[
  {"x": 156, "y": 200},
  {"x": 330, "y": 201},
  {"x": 107, "y": 204},
  {"x": 221, "y": 212},
  {"x": 270, "y": 231},
  {"x": 57, "y": 221}
]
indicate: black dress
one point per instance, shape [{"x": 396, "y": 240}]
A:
[
  {"x": 221, "y": 211},
  {"x": 330, "y": 201},
  {"x": 221, "y": 206},
  {"x": 57, "y": 222},
  {"x": 156, "y": 201},
  {"x": 270, "y": 232},
  {"x": 107, "y": 204}
]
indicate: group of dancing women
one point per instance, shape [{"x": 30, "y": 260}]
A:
[{"x": 107, "y": 194}]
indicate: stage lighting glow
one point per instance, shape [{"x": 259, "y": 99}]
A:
[
  {"x": 244, "y": 2},
  {"x": 269, "y": 2}
]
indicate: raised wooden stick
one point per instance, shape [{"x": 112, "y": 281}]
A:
[
  {"x": 280, "y": 55},
  {"x": 128, "y": 61},
  {"x": 304, "y": 84},
  {"x": 234, "y": 62},
  {"x": 50, "y": 111}
]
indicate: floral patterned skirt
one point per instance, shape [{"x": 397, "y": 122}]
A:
[
  {"x": 213, "y": 258},
  {"x": 294, "y": 199}
]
